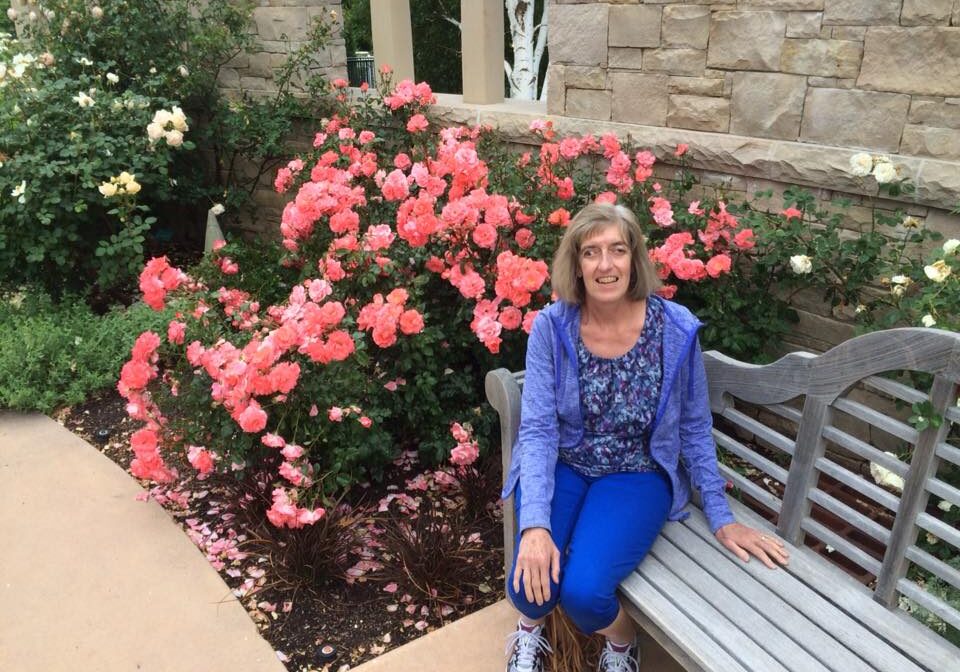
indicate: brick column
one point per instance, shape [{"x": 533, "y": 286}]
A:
[
  {"x": 392, "y": 36},
  {"x": 482, "y": 43}
]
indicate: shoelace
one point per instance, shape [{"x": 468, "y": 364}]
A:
[
  {"x": 526, "y": 647},
  {"x": 618, "y": 661}
]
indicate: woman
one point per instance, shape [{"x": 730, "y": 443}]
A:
[{"x": 615, "y": 429}]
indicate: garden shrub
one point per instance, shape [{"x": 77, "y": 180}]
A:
[
  {"x": 93, "y": 92},
  {"x": 59, "y": 353}
]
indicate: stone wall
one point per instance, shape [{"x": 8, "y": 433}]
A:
[
  {"x": 881, "y": 75},
  {"x": 280, "y": 26}
]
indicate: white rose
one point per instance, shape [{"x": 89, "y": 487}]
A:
[
  {"x": 125, "y": 177},
  {"x": 801, "y": 264},
  {"x": 950, "y": 247},
  {"x": 217, "y": 209},
  {"x": 19, "y": 192},
  {"x": 861, "y": 164},
  {"x": 900, "y": 280},
  {"x": 174, "y": 138},
  {"x": 108, "y": 189},
  {"x": 884, "y": 172},
  {"x": 12, "y": 14},
  {"x": 927, "y": 320},
  {"x": 184, "y": 72},
  {"x": 179, "y": 119},
  {"x": 133, "y": 187},
  {"x": 938, "y": 270},
  {"x": 944, "y": 505},
  {"x": 154, "y": 131},
  {"x": 883, "y": 476},
  {"x": 112, "y": 78},
  {"x": 83, "y": 100},
  {"x": 161, "y": 117},
  {"x": 96, "y": 12},
  {"x": 898, "y": 290}
]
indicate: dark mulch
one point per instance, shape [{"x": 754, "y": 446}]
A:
[{"x": 298, "y": 615}]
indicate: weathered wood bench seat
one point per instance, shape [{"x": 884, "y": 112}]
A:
[{"x": 790, "y": 420}]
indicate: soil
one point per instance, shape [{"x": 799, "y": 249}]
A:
[{"x": 361, "y": 616}]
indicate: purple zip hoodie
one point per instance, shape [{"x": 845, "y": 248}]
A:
[{"x": 681, "y": 441}]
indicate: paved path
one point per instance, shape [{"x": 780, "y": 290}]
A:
[{"x": 92, "y": 580}]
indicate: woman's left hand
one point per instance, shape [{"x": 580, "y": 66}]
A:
[{"x": 744, "y": 541}]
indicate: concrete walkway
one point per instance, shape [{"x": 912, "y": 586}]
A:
[{"x": 92, "y": 580}]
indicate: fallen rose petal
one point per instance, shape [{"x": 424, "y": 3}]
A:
[
  {"x": 390, "y": 588},
  {"x": 392, "y": 607},
  {"x": 420, "y": 625}
]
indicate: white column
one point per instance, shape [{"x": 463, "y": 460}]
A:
[
  {"x": 481, "y": 38},
  {"x": 392, "y": 37}
]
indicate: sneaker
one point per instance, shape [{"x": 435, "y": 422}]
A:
[
  {"x": 612, "y": 660},
  {"x": 526, "y": 650}
]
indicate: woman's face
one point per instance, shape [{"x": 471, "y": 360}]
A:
[{"x": 605, "y": 265}]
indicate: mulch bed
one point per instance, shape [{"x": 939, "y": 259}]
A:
[{"x": 352, "y": 605}]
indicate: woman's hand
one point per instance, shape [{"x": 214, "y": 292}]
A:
[
  {"x": 744, "y": 541},
  {"x": 537, "y": 561}
]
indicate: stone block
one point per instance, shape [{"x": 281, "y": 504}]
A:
[
  {"x": 854, "y": 118},
  {"x": 580, "y": 77},
  {"x": 955, "y": 18},
  {"x": 734, "y": 43},
  {"x": 639, "y": 98},
  {"x": 847, "y": 32},
  {"x": 862, "y": 12},
  {"x": 926, "y": 12},
  {"x": 783, "y": 4},
  {"x": 821, "y": 58},
  {"x": 690, "y": 62},
  {"x": 556, "y": 89},
  {"x": 823, "y": 82},
  {"x": 256, "y": 84},
  {"x": 923, "y": 61},
  {"x": 804, "y": 24},
  {"x": 624, "y": 57},
  {"x": 699, "y": 113},
  {"x": 588, "y": 104},
  {"x": 228, "y": 78},
  {"x": 578, "y": 34},
  {"x": 767, "y": 105},
  {"x": 696, "y": 86},
  {"x": 686, "y": 26},
  {"x": 260, "y": 65},
  {"x": 279, "y": 23},
  {"x": 940, "y": 143},
  {"x": 935, "y": 113},
  {"x": 633, "y": 26}
]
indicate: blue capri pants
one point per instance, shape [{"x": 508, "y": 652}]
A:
[{"x": 603, "y": 526}]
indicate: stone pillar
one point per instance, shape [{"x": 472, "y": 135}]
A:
[
  {"x": 392, "y": 36},
  {"x": 481, "y": 23}
]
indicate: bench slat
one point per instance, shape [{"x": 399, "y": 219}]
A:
[
  {"x": 760, "y": 430},
  {"x": 899, "y": 631},
  {"x": 820, "y": 594},
  {"x": 936, "y": 526},
  {"x": 738, "y": 577},
  {"x": 877, "y": 419},
  {"x": 855, "y": 482},
  {"x": 709, "y": 619},
  {"x": 864, "y": 450},
  {"x": 944, "y": 491},
  {"x": 895, "y": 389},
  {"x": 786, "y": 412},
  {"x": 744, "y": 452},
  {"x": 746, "y": 485},
  {"x": 930, "y": 603},
  {"x": 842, "y": 546},
  {"x": 852, "y": 516},
  {"x": 949, "y": 453},
  {"x": 685, "y": 641},
  {"x": 934, "y": 565}
]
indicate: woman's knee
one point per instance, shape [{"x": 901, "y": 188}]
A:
[
  {"x": 529, "y": 608},
  {"x": 590, "y": 606}
]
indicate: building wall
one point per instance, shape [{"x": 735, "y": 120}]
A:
[{"x": 281, "y": 26}]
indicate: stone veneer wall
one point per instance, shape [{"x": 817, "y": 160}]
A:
[
  {"x": 882, "y": 75},
  {"x": 280, "y": 26}
]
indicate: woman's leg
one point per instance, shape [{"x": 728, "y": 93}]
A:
[
  {"x": 568, "y": 494},
  {"x": 620, "y": 518}
]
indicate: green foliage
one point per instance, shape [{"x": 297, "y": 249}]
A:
[
  {"x": 59, "y": 353},
  {"x": 77, "y": 95}
]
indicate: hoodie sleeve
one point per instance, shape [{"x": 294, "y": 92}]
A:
[
  {"x": 697, "y": 448},
  {"x": 539, "y": 435}
]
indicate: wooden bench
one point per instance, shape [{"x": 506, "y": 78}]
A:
[{"x": 795, "y": 420}]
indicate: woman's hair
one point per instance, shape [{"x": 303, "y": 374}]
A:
[{"x": 566, "y": 281}]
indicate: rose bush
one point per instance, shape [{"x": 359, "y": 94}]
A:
[{"x": 412, "y": 260}]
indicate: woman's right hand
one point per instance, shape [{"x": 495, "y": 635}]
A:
[{"x": 537, "y": 561}]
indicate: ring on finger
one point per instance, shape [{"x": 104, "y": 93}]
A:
[{"x": 763, "y": 537}]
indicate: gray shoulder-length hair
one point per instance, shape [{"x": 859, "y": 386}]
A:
[{"x": 566, "y": 281}]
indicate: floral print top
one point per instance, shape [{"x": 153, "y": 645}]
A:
[{"x": 618, "y": 400}]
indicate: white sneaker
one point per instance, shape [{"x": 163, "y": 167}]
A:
[
  {"x": 526, "y": 650},
  {"x": 612, "y": 660}
]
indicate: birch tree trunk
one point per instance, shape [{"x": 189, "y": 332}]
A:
[{"x": 528, "y": 41}]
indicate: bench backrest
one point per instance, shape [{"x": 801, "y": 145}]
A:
[{"x": 807, "y": 403}]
